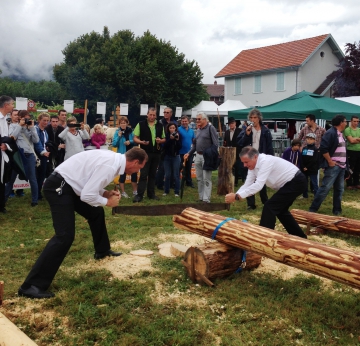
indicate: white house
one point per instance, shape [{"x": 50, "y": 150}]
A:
[{"x": 261, "y": 76}]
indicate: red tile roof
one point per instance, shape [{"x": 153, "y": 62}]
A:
[
  {"x": 215, "y": 90},
  {"x": 272, "y": 57}
]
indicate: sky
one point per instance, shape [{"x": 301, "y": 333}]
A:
[{"x": 34, "y": 32}]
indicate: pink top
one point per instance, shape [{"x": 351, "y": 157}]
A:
[{"x": 98, "y": 139}]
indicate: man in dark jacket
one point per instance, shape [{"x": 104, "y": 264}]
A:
[
  {"x": 334, "y": 161},
  {"x": 230, "y": 141},
  {"x": 259, "y": 137}
]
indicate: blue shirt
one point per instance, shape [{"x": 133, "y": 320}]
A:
[{"x": 187, "y": 137}]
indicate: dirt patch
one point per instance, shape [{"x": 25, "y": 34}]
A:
[{"x": 351, "y": 204}]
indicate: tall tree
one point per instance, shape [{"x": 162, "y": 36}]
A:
[
  {"x": 347, "y": 78},
  {"x": 125, "y": 68}
]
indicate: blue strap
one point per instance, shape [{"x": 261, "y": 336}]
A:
[
  {"x": 243, "y": 263},
  {"x": 219, "y": 225}
]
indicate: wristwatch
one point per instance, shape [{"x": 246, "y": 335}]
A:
[{"x": 237, "y": 197}]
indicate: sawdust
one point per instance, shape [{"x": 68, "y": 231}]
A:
[{"x": 352, "y": 204}]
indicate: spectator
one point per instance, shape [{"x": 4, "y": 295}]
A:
[
  {"x": 87, "y": 142},
  {"x": 187, "y": 139},
  {"x": 41, "y": 151},
  {"x": 171, "y": 149},
  {"x": 123, "y": 141},
  {"x": 62, "y": 114},
  {"x": 150, "y": 135},
  {"x": 98, "y": 138},
  {"x": 206, "y": 136},
  {"x": 230, "y": 141},
  {"x": 334, "y": 161},
  {"x": 312, "y": 127},
  {"x": 310, "y": 163},
  {"x": 259, "y": 137},
  {"x": 25, "y": 135},
  {"x": 293, "y": 154},
  {"x": 57, "y": 155},
  {"x": 73, "y": 137},
  {"x": 99, "y": 121},
  {"x": 352, "y": 134}
]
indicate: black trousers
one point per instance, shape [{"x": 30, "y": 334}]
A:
[
  {"x": 263, "y": 196},
  {"x": 188, "y": 166},
  {"x": 354, "y": 163},
  {"x": 63, "y": 210},
  {"x": 278, "y": 206},
  {"x": 148, "y": 175}
]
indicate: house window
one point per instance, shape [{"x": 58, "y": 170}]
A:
[
  {"x": 280, "y": 81},
  {"x": 237, "y": 86},
  {"x": 257, "y": 84}
]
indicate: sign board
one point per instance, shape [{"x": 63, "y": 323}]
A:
[
  {"x": 178, "y": 112},
  {"x": 161, "y": 111},
  {"x": 101, "y": 108},
  {"x": 21, "y": 184},
  {"x": 144, "y": 109},
  {"x": 69, "y": 106},
  {"x": 194, "y": 112},
  {"x": 124, "y": 108},
  {"x": 21, "y": 103}
]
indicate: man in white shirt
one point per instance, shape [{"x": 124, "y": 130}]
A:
[
  {"x": 279, "y": 175},
  {"x": 6, "y": 106},
  {"x": 78, "y": 185}
]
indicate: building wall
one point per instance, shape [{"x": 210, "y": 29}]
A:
[{"x": 314, "y": 72}]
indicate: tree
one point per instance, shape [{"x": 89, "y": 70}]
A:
[
  {"x": 125, "y": 68},
  {"x": 347, "y": 78}
]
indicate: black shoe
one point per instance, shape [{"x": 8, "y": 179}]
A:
[
  {"x": 156, "y": 198},
  {"x": 137, "y": 199},
  {"x": 251, "y": 207},
  {"x": 34, "y": 204},
  {"x": 100, "y": 255},
  {"x": 190, "y": 185},
  {"x": 34, "y": 292},
  {"x": 3, "y": 210}
]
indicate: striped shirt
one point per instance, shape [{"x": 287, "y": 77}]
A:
[{"x": 339, "y": 155}]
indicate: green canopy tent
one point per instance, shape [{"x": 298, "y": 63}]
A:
[{"x": 296, "y": 107}]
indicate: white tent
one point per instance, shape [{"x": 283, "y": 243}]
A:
[
  {"x": 231, "y": 105},
  {"x": 351, "y": 99},
  {"x": 208, "y": 107}
]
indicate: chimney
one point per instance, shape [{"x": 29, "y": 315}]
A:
[{"x": 215, "y": 83}]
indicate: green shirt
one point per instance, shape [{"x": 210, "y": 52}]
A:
[
  {"x": 355, "y": 134},
  {"x": 152, "y": 130}
]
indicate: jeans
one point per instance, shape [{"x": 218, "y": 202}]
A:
[
  {"x": 203, "y": 179},
  {"x": 30, "y": 171},
  {"x": 172, "y": 165},
  {"x": 314, "y": 182},
  {"x": 333, "y": 177}
]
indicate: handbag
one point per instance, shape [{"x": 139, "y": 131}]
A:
[{"x": 38, "y": 161}]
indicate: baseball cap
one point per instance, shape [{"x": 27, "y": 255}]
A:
[{"x": 311, "y": 135}]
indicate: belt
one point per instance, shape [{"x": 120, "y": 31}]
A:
[
  {"x": 199, "y": 152},
  {"x": 57, "y": 175}
]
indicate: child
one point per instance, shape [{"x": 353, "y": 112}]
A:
[
  {"x": 293, "y": 154},
  {"x": 87, "y": 142},
  {"x": 310, "y": 162},
  {"x": 98, "y": 138}
]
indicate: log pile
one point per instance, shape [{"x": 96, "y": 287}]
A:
[
  {"x": 336, "y": 264},
  {"x": 225, "y": 176},
  {"x": 216, "y": 260},
  {"x": 326, "y": 222}
]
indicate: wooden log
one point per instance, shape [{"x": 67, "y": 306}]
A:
[
  {"x": 10, "y": 335},
  {"x": 327, "y": 261},
  {"x": 217, "y": 260},
  {"x": 326, "y": 222},
  {"x": 225, "y": 176}
]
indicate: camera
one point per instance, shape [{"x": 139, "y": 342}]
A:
[
  {"x": 28, "y": 121},
  {"x": 174, "y": 134},
  {"x": 8, "y": 120},
  {"x": 74, "y": 125},
  {"x": 251, "y": 123}
]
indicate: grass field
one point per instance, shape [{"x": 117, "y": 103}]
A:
[{"x": 161, "y": 306}]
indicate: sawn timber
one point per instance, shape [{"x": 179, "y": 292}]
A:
[
  {"x": 167, "y": 209},
  {"x": 330, "y": 262}
]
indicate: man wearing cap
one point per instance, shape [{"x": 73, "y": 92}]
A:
[
  {"x": 352, "y": 134},
  {"x": 230, "y": 141},
  {"x": 310, "y": 162},
  {"x": 334, "y": 161},
  {"x": 278, "y": 174}
]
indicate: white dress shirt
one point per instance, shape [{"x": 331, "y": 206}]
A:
[
  {"x": 89, "y": 172},
  {"x": 273, "y": 171}
]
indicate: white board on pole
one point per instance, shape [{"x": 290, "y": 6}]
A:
[
  {"x": 124, "y": 108},
  {"x": 178, "y": 112},
  {"x": 194, "y": 112},
  {"x": 21, "y": 103},
  {"x": 161, "y": 111},
  {"x": 69, "y": 106},
  {"x": 101, "y": 108},
  {"x": 144, "y": 109}
]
